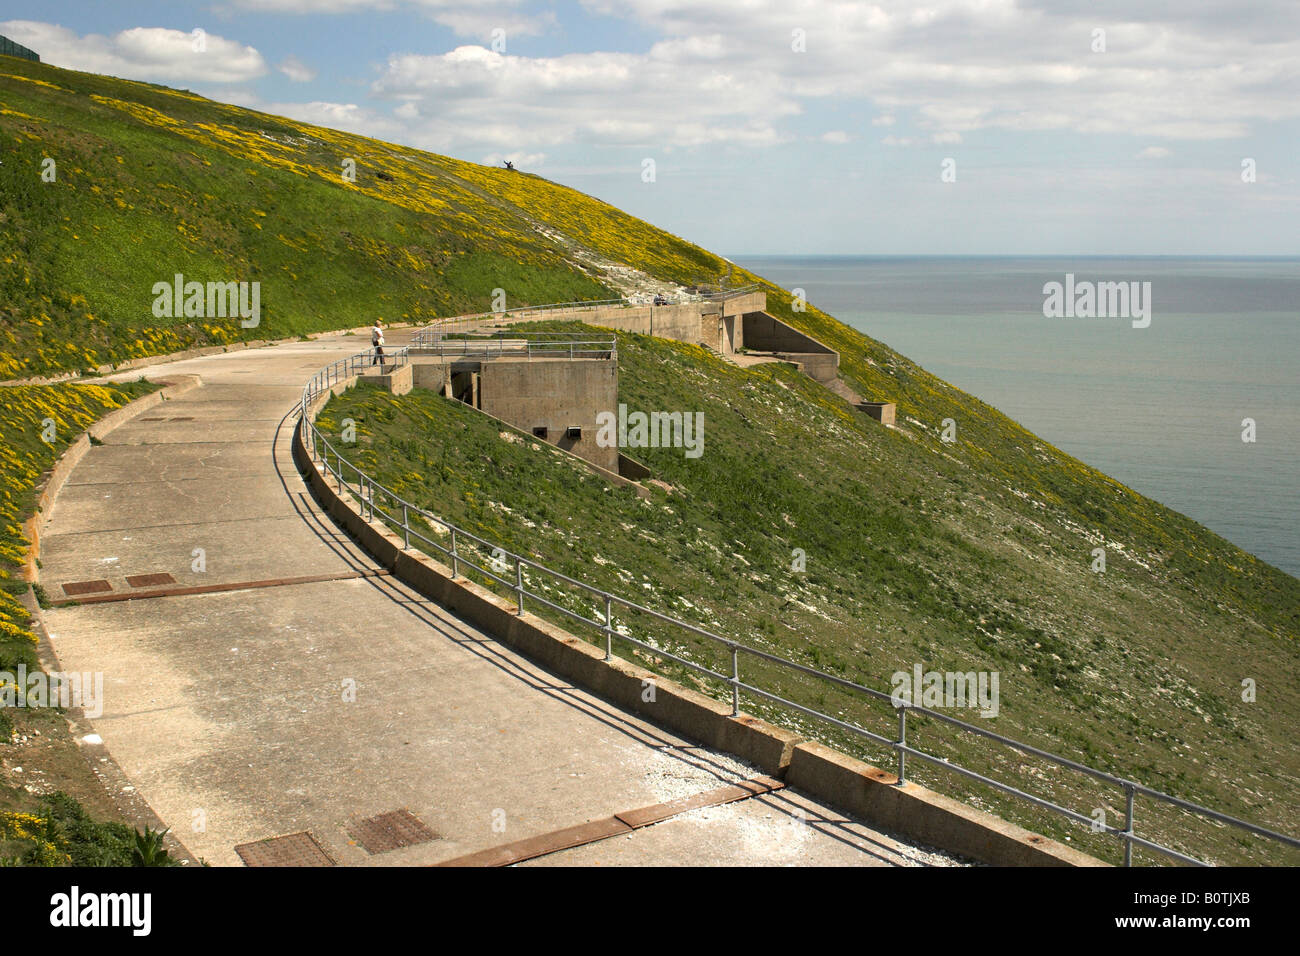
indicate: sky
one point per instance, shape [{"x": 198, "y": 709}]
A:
[{"x": 786, "y": 127}]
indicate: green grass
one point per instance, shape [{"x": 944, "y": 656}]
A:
[
  {"x": 912, "y": 557},
  {"x": 151, "y": 183}
]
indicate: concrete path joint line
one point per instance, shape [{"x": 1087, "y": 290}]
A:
[
  {"x": 620, "y": 823},
  {"x": 219, "y": 588}
]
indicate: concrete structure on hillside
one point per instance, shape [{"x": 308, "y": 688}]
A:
[
  {"x": 9, "y": 48},
  {"x": 554, "y": 386},
  {"x": 553, "y": 397}
]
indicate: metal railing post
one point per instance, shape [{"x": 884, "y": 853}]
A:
[
  {"x": 1128, "y": 824},
  {"x": 609, "y": 627},
  {"x": 735, "y": 680},
  {"x": 902, "y": 742},
  {"x": 455, "y": 558},
  {"x": 519, "y": 583},
  {"x": 406, "y": 527}
]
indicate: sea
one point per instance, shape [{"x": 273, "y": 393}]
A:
[{"x": 1161, "y": 402}]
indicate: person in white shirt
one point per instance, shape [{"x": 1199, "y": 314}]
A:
[{"x": 377, "y": 342}]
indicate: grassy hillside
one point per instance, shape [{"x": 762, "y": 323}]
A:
[
  {"x": 151, "y": 182},
  {"x": 912, "y": 557},
  {"x": 962, "y": 556}
]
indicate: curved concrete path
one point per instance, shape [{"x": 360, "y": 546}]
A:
[{"x": 228, "y": 711}]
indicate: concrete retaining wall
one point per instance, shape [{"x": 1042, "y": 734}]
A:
[
  {"x": 816, "y": 365},
  {"x": 767, "y": 333},
  {"x": 818, "y": 771},
  {"x": 930, "y": 817}
]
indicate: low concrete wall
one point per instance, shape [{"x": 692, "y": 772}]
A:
[
  {"x": 396, "y": 380},
  {"x": 816, "y": 365},
  {"x": 744, "y": 304},
  {"x": 818, "y": 771},
  {"x": 32, "y": 527},
  {"x": 680, "y": 323},
  {"x": 875, "y": 795}
]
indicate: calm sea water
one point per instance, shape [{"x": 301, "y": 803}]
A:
[{"x": 1159, "y": 408}]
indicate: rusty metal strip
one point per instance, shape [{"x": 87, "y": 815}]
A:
[
  {"x": 543, "y": 844},
  {"x": 709, "y": 798},
  {"x": 617, "y": 825},
  {"x": 218, "y": 588}
]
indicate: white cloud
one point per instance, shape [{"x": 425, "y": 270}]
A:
[
  {"x": 1153, "y": 152},
  {"x": 476, "y": 19},
  {"x": 296, "y": 70},
  {"x": 142, "y": 53},
  {"x": 673, "y": 95},
  {"x": 1203, "y": 70},
  {"x": 884, "y": 120},
  {"x": 836, "y": 136}
]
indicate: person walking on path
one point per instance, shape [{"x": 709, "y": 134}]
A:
[{"x": 377, "y": 342}]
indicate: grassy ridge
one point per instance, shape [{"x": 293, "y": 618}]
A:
[{"x": 152, "y": 182}]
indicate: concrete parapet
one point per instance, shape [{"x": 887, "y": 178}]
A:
[
  {"x": 930, "y": 817},
  {"x": 397, "y": 380},
  {"x": 744, "y": 304}
]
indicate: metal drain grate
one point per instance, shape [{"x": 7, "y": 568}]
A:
[
  {"x": 296, "y": 849},
  {"x": 86, "y": 587},
  {"x": 391, "y": 831},
  {"x": 149, "y": 580}
]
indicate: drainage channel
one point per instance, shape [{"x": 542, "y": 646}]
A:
[{"x": 77, "y": 591}]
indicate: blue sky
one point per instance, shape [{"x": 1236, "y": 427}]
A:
[{"x": 796, "y": 127}]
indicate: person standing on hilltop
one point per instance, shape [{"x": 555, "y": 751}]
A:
[{"x": 377, "y": 342}]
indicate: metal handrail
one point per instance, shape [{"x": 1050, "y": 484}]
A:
[
  {"x": 443, "y": 326},
  {"x": 528, "y": 344},
  {"x": 400, "y": 513},
  {"x": 430, "y": 334},
  {"x": 724, "y": 294}
]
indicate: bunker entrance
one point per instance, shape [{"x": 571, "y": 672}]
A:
[{"x": 463, "y": 386}]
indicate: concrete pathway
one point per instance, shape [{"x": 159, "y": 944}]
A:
[{"x": 230, "y": 712}]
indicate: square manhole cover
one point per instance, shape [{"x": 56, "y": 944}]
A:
[
  {"x": 86, "y": 587},
  {"x": 296, "y": 849},
  {"x": 391, "y": 831},
  {"x": 149, "y": 580}
]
